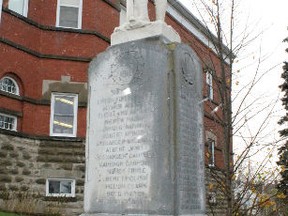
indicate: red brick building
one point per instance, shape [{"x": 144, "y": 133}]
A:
[{"x": 45, "y": 50}]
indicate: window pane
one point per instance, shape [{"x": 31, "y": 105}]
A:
[
  {"x": 63, "y": 114},
  {"x": 209, "y": 81},
  {"x": 64, "y": 105},
  {"x": 68, "y": 17},
  {"x": 66, "y": 187},
  {"x": 54, "y": 187},
  {"x": 63, "y": 125},
  {"x": 211, "y": 151},
  {"x": 10, "y": 123},
  {"x": 1, "y": 85},
  {"x": 1, "y": 121},
  {"x": 17, "y": 6}
]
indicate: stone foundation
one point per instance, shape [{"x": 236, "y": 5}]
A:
[{"x": 26, "y": 163}]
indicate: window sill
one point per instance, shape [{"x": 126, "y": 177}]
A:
[
  {"x": 60, "y": 199},
  {"x": 65, "y": 27},
  {"x": 63, "y": 136}
]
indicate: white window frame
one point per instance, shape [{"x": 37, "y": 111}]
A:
[
  {"x": 59, "y": 4},
  {"x": 1, "y": 3},
  {"x": 25, "y": 8},
  {"x": 75, "y": 112},
  {"x": 123, "y": 15},
  {"x": 73, "y": 183},
  {"x": 209, "y": 82},
  {"x": 15, "y": 84},
  {"x": 211, "y": 151},
  {"x": 14, "y": 128}
]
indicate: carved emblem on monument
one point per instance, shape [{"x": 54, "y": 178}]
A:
[
  {"x": 187, "y": 68},
  {"x": 128, "y": 71}
]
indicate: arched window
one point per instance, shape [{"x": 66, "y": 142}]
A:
[{"x": 7, "y": 84}]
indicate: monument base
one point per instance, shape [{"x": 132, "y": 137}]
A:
[{"x": 151, "y": 29}]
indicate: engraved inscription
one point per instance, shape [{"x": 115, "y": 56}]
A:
[
  {"x": 189, "y": 151},
  {"x": 124, "y": 150}
]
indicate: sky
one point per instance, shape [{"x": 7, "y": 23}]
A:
[
  {"x": 271, "y": 18},
  {"x": 268, "y": 20}
]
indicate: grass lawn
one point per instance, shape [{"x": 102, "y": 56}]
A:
[{"x": 8, "y": 214}]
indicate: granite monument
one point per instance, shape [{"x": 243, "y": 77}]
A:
[{"x": 144, "y": 151}]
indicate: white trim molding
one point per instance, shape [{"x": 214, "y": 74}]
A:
[
  {"x": 72, "y": 4},
  {"x": 1, "y": 3}
]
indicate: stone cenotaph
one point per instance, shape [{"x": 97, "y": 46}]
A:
[{"x": 144, "y": 151}]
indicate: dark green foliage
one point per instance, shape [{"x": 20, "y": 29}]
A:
[{"x": 283, "y": 150}]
